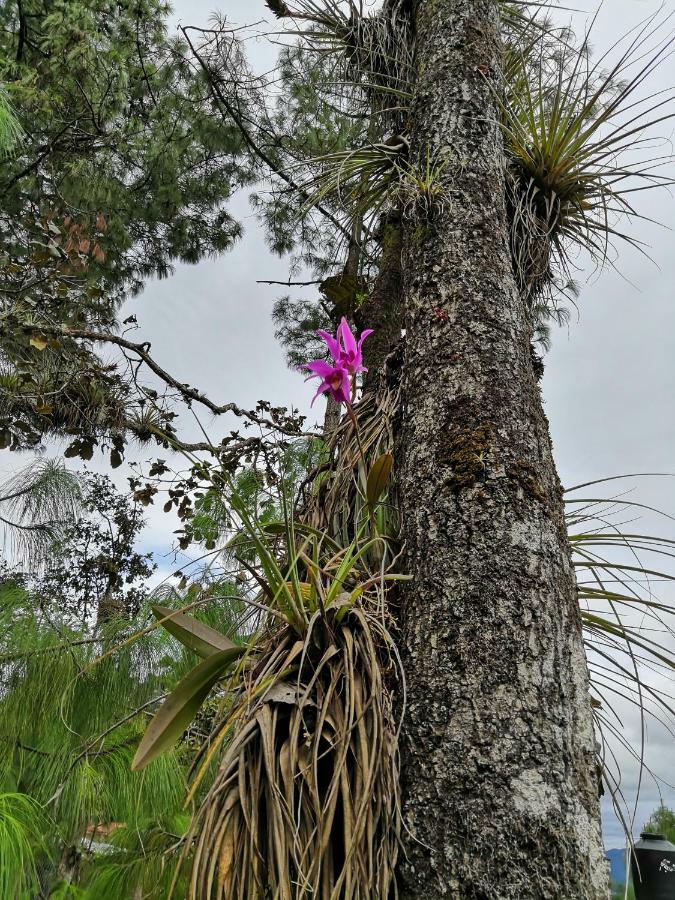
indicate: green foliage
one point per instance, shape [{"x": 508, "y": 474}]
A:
[
  {"x": 10, "y": 130},
  {"x": 140, "y": 861},
  {"x": 124, "y": 169},
  {"x": 22, "y": 824},
  {"x": 69, "y": 727},
  {"x": 580, "y": 140},
  {"x": 662, "y": 821},
  {"x": 127, "y": 133},
  {"x": 315, "y": 117},
  {"x": 76, "y": 692},
  {"x": 305, "y": 713},
  {"x": 297, "y": 322},
  {"x": 623, "y": 892},
  {"x": 95, "y": 568},
  {"x": 36, "y": 505}
]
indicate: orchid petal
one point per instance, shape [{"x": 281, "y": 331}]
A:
[
  {"x": 332, "y": 343},
  {"x": 323, "y": 387},
  {"x": 345, "y": 387},
  {"x": 364, "y": 335},
  {"x": 341, "y": 393},
  {"x": 319, "y": 367},
  {"x": 348, "y": 340}
]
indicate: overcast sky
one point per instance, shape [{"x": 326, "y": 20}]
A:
[{"x": 610, "y": 377}]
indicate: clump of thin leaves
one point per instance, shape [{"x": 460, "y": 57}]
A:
[
  {"x": 582, "y": 137},
  {"x": 372, "y": 50},
  {"x": 624, "y": 579},
  {"x": 304, "y": 802},
  {"x": 338, "y": 501},
  {"x": 581, "y": 140},
  {"x": 363, "y": 181},
  {"x": 36, "y": 504},
  {"x": 304, "y": 798}
]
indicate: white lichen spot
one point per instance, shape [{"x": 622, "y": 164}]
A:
[
  {"x": 585, "y": 829},
  {"x": 532, "y": 795}
]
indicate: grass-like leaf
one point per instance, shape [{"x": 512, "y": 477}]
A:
[{"x": 22, "y": 826}]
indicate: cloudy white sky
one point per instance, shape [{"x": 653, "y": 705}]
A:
[{"x": 609, "y": 382}]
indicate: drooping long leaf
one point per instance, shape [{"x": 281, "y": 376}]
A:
[{"x": 181, "y": 706}]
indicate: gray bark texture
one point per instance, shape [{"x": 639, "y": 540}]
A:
[
  {"x": 383, "y": 310},
  {"x": 498, "y": 753}
]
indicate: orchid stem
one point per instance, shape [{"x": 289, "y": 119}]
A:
[{"x": 355, "y": 423}]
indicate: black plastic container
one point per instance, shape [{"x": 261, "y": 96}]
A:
[{"x": 653, "y": 868}]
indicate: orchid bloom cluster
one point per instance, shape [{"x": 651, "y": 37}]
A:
[{"x": 337, "y": 378}]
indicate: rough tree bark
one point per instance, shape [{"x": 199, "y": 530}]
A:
[
  {"x": 500, "y": 789},
  {"x": 383, "y": 309}
]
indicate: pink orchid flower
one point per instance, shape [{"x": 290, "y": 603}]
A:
[
  {"x": 334, "y": 379},
  {"x": 349, "y": 353},
  {"x": 347, "y": 356}
]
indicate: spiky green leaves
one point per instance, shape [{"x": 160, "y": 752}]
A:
[
  {"x": 10, "y": 130},
  {"x": 580, "y": 137}
]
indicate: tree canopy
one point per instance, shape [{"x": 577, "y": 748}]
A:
[{"x": 123, "y": 168}]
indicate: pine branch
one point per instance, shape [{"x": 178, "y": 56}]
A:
[
  {"x": 251, "y": 143},
  {"x": 189, "y": 394},
  {"x": 290, "y": 283}
]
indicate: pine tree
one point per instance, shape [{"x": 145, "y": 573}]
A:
[
  {"x": 80, "y": 667},
  {"x": 471, "y": 147},
  {"x": 122, "y": 171},
  {"x": 497, "y": 157}
]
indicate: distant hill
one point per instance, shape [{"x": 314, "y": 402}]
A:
[{"x": 617, "y": 862}]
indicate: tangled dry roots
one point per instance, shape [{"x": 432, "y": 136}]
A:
[
  {"x": 330, "y": 506},
  {"x": 305, "y": 800}
]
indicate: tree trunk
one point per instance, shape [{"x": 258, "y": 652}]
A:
[
  {"x": 500, "y": 788},
  {"x": 383, "y": 310},
  {"x": 332, "y": 416}
]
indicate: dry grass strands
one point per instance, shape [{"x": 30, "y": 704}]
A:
[
  {"x": 337, "y": 501},
  {"x": 305, "y": 800}
]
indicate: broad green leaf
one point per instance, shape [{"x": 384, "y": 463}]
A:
[
  {"x": 192, "y": 633},
  {"x": 181, "y": 706},
  {"x": 378, "y": 478}
]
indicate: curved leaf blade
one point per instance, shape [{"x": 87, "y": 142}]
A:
[
  {"x": 378, "y": 478},
  {"x": 181, "y": 706},
  {"x": 192, "y": 633}
]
